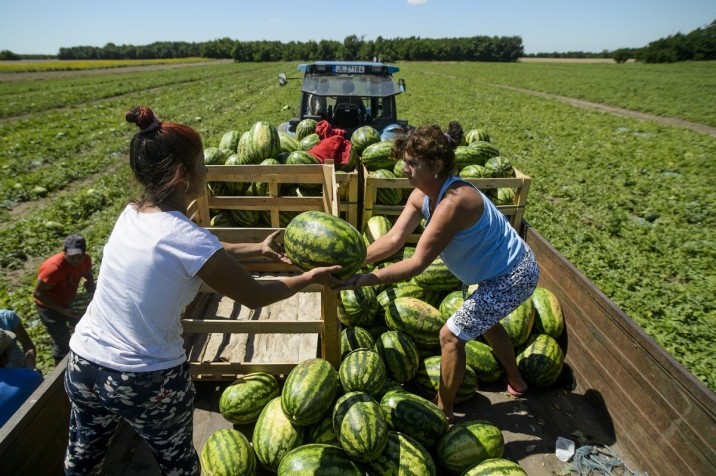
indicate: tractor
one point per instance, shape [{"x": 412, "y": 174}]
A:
[{"x": 349, "y": 94}]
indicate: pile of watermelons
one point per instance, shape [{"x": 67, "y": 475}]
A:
[
  {"x": 263, "y": 144},
  {"x": 374, "y": 415}
]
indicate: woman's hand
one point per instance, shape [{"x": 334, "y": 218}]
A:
[
  {"x": 355, "y": 281},
  {"x": 273, "y": 250}
]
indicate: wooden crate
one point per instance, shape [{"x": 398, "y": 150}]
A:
[
  {"x": 312, "y": 329},
  {"x": 514, "y": 212},
  {"x": 350, "y": 195}
]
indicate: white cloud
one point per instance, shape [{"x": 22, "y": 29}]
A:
[
  {"x": 417, "y": 2},
  {"x": 274, "y": 20}
]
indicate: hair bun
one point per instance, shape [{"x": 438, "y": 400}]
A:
[{"x": 143, "y": 117}]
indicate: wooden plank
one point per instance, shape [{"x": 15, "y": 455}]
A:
[
  {"x": 664, "y": 418},
  {"x": 256, "y": 327}
]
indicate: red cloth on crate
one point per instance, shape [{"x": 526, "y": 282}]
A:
[{"x": 333, "y": 146}]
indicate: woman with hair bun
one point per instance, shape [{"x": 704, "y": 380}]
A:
[
  {"x": 475, "y": 241},
  {"x": 127, "y": 360}
]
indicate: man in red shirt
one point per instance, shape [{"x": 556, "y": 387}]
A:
[{"x": 57, "y": 282}]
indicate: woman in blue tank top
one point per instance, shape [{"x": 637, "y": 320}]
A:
[{"x": 475, "y": 241}]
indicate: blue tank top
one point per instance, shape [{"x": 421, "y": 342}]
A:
[{"x": 487, "y": 249}]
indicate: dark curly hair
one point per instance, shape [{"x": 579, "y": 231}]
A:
[
  {"x": 161, "y": 154},
  {"x": 431, "y": 143}
]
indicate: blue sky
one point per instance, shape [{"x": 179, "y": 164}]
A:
[{"x": 43, "y": 26}]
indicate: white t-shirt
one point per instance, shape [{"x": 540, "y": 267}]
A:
[{"x": 146, "y": 279}]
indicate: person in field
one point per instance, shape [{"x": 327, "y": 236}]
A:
[
  {"x": 127, "y": 360},
  {"x": 58, "y": 279},
  {"x": 475, "y": 241}
]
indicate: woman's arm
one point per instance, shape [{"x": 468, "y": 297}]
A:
[
  {"x": 226, "y": 276},
  {"x": 268, "y": 248}
]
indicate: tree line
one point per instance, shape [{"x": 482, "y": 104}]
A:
[{"x": 697, "y": 45}]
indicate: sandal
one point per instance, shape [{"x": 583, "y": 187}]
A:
[{"x": 514, "y": 392}]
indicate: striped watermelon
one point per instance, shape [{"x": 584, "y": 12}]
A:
[
  {"x": 230, "y": 140},
  {"x": 305, "y": 128},
  {"x": 476, "y": 134},
  {"x": 242, "y": 401},
  {"x": 466, "y": 156},
  {"x": 243, "y": 145},
  {"x": 360, "y": 426},
  {"x": 377, "y": 156},
  {"x": 322, "y": 432},
  {"x": 495, "y": 467},
  {"x": 390, "y": 385},
  {"x": 473, "y": 171},
  {"x": 318, "y": 459},
  {"x": 227, "y": 452},
  {"x": 263, "y": 142},
  {"x": 402, "y": 456},
  {"x": 548, "y": 313},
  {"x": 362, "y": 371},
  {"x": 309, "y": 391},
  {"x": 400, "y": 355},
  {"x": 375, "y": 227},
  {"x": 357, "y": 307},
  {"x": 222, "y": 219},
  {"x": 353, "y": 338},
  {"x": 415, "y": 416},
  {"x": 427, "y": 380},
  {"x": 519, "y": 322},
  {"x": 309, "y": 142},
  {"x": 214, "y": 156},
  {"x": 421, "y": 321},
  {"x": 541, "y": 360},
  {"x": 363, "y": 137},
  {"x": 394, "y": 291},
  {"x": 301, "y": 157},
  {"x": 481, "y": 359},
  {"x": 505, "y": 196},
  {"x": 398, "y": 171},
  {"x": 387, "y": 195},
  {"x": 499, "y": 167},
  {"x": 437, "y": 277},
  {"x": 451, "y": 303},
  {"x": 274, "y": 435},
  {"x": 486, "y": 150},
  {"x": 316, "y": 238},
  {"x": 469, "y": 443},
  {"x": 288, "y": 142},
  {"x": 246, "y": 218}
]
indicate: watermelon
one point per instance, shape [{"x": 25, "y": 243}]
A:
[
  {"x": 541, "y": 360},
  {"x": 476, "y": 135},
  {"x": 387, "y": 195},
  {"x": 246, "y": 218},
  {"x": 473, "y": 171},
  {"x": 309, "y": 142},
  {"x": 494, "y": 467},
  {"x": 309, "y": 391},
  {"x": 505, "y": 196},
  {"x": 353, "y": 338},
  {"x": 402, "y": 456},
  {"x": 466, "y": 156},
  {"x": 242, "y": 401},
  {"x": 437, "y": 277},
  {"x": 214, "y": 156},
  {"x": 486, "y": 150},
  {"x": 230, "y": 140},
  {"x": 222, "y": 219},
  {"x": 427, "y": 380},
  {"x": 399, "y": 171},
  {"x": 421, "y": 321},
  {"x": 399, "y": 354},
  {"x": 548, "y": 313},
  {"x": 262, "y": 143},
  {"x": 316, "y": 238},
  {"x": 301, "y": 157},
  {"x": 363, "y": 137},
  {"x": 375, "y": 227},
  {"x": 408, "y": 289},
  {"x": 451, "y": 303},
  {"x": 499, "y": 167},
  {"x": 481, "y": 359},
  {"x": 519, "y": 322},
  {"x": 390, "y": 385},
  {"x": 243, "y": 145},
  {"x": 415, "y": 416},
  {"x": 288, "y": 142},
  {"x": 318, "y": 459},
  {"x": 377, "y": 156},
  {"x": 305, "y": 128},
  {"x": 360, "y": 426},
  {"x": 469, "y": 443},
  {"x": 227, "y": 452},
  {"x": 357, "y": 307},
  {"x": 274, "y": 435},
  {"x": 322, "y": 432},
  {"x": 362, "y": 371}
]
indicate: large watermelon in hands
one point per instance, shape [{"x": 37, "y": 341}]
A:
[{"x": 314, "y": 239}]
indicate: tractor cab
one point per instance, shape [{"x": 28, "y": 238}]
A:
[{"x": 349, "y": 94}]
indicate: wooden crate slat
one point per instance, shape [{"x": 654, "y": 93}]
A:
[{"x": 255, "y": 327}]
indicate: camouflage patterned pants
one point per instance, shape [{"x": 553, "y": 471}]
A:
[{"x": 158, "y": 405}]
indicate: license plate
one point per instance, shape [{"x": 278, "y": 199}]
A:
[{"x": 349, "y": 68}]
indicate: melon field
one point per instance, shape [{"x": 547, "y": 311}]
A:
[{"x": 628, "y": 200}]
